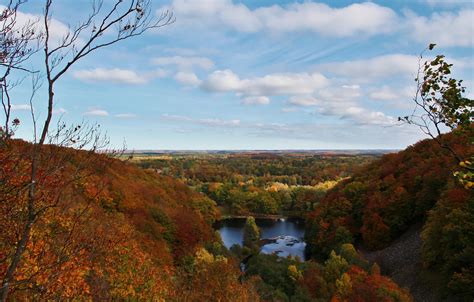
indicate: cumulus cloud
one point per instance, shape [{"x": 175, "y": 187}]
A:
[
  {"x": 447, "y": 29},
  {"x": 361, "y": 115},
  {"x": 272, "y": 84},
  {"x": 117, "y": 75},
  {"x": 342, "y": 102},
  {"x": 96, "y": 112},
  {"x": 57, "y": 29},
  {"x": 184, "y": 63},
  {"x": 359, "y": 18},
  {"x": 366, "y": 18},
  {"x": 187, "y": 78}
]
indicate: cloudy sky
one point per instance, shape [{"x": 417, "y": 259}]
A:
[{"x": 260, "y": 74}]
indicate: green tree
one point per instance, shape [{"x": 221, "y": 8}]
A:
[
  {"x": 334, "y": 267},
  {"x": 251, "y": 235},
  {"x": 439, "y": 103}
]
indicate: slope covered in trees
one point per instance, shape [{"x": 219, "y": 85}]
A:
[
  {"x": 344, "y": 276},
  {"x": 114, "y": 231},
  {"x": 383, "y": 199},
  {"x": 111, "y": 231}
]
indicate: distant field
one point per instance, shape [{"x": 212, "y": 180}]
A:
[{"x": 170, "y": 154}]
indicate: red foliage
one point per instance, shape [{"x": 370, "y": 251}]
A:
[
  {"x": 101, "y": 233},
  {"x": 381, "y": 200},
  {"x": 367, "y": 288}
]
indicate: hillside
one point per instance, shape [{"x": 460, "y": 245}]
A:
[
  {"x": 382, "y": 200},
  {"x": 107, "y": 230}
]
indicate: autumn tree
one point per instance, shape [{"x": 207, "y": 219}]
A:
[
  {"x": 448, "y": 240},
  {"x": 106, "y": 24},
  {"x": 440, "y": 104},
  {"x": 214, "y": 278}
]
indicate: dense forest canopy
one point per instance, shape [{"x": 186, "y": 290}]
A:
[{"x": 259, "y": 183}]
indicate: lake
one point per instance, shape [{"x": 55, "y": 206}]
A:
[{"x": 287, "y": 234}]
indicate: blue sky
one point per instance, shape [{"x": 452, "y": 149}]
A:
[{"x": 260, "y": 74}]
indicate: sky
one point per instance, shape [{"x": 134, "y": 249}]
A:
[{"x": 263, "y": 74}]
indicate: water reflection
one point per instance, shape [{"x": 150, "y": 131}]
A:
[{"x": 287, "y": 234}]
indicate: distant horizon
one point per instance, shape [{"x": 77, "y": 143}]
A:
[{"x": 256, "y": 150}]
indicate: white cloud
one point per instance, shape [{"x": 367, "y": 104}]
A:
[
  {"x": 187, "y": 78},
  {"x": 272, "y": 84},
  {"x": 304, "y": 89},
  {"x": 20, "y": 107},
  {"x": 342, "y": 102},
  {"x": 222, "y": 81},
  {"x": 304, "y": 101},
  {"x": 363, "y": 116},
  {"x": 447, "y": 29},
  {"x": 117, "y": 75},
  {"x": 367, "y": 125},
  {"x": 126, "y": 115},
  {"x": 387, "y": 93},
  {"x": 374, "y": 68},
  {"x": 366, "y": 18},
  {"x": 57, "y": 29},
  {"x": 261, "y": 100},
  {"x": 359, "y": 18},
  {"x": 96, "y": 112},
  {"x": 184, "y": 63}
]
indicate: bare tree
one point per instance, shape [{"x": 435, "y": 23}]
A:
[
  {"x": 17, "y": 44},
  {"x": 103, "y": 27}
]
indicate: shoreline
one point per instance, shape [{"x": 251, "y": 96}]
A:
[{"x": 256, "y": 216}]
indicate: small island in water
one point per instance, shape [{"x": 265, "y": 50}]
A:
[{"x": 281, "y": 236}]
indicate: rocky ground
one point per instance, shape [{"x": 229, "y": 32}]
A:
[{"x": 402, "y": 262}]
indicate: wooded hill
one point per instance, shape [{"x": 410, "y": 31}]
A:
[
  {"x": 382, "y": 200},
  {"x": 108, "y": 230}
]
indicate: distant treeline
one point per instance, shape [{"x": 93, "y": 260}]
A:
[{"x": 265, "y": 183}]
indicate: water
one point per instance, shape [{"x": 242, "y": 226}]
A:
[{"x": 287, "y": 234}]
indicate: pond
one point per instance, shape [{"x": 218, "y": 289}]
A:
[{"x": 286, "y": 235}]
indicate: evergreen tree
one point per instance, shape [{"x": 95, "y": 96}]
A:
[{"x": 251, "y": 234}]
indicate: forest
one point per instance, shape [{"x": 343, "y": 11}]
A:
[
  {"x": 288, "y": 184},
  {"x": 153, "y": 234},
  {"x": 121, "y": 232},
  {"x": 83, "y": 219}
]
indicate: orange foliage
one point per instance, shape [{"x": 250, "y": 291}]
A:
[{"x": 100, "y": 229}]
